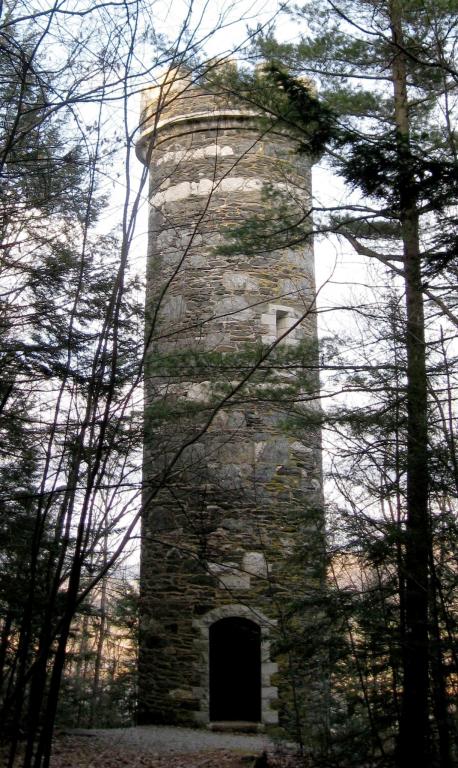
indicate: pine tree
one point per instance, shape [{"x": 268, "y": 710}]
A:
[
  {"x": 406, "y": 172},
  {"x": 386, "y": 78}
]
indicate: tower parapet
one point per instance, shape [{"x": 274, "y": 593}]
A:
[{"x": 233, "y": 527}]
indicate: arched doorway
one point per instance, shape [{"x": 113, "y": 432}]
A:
[{"x": 235, "y": 670}]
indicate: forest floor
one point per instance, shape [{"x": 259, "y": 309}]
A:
[{"x": 167, "y": 747}]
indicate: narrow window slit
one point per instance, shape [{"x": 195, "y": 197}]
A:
[{"x": 283, "y": 322}]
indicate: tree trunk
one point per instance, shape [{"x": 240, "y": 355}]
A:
[
  {"x": 4, "y": 644},
  {"x": 100, "y": 640},
  {"x": 414, "y": 739},
  {"x": 439, "y": 680}
]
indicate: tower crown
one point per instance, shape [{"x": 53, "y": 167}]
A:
[{"x": 178, "y": 101}]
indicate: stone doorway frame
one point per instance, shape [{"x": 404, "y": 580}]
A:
[{"x": 269, "y": 692}]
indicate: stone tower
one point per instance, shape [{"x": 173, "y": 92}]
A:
[{"x": 232, "y": 546}]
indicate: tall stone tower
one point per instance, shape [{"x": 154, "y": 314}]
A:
[{"x": 232, "y": 546}]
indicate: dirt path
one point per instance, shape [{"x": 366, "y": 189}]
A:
[
  {"x": 160, "y": 739},
  {"x": 167, "y": 747}
]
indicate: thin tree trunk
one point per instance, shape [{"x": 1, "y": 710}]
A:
[
  {"x": 81, "y": 670},
  {"x": 414, "y": 738},
  {"x": 4, "y": 645},
  {"x": 100, "y": 642},
  {"x": 43, "y": 751},
  {"x": 439, "y": 677}
]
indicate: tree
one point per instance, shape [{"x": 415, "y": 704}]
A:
[
  {"x": 71, "y": 329},
  {"x": 386, "y": 74},
  {"x": 99, "y": 682},
  {"x": 67, "y": 361}
]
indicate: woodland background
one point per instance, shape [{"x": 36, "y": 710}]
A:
[{"x": 381, "y": 125}]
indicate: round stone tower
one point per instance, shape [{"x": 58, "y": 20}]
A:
[{"x": 232, "y": 546}]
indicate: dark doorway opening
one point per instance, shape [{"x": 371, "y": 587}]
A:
[{"x": 235, "y": 670}]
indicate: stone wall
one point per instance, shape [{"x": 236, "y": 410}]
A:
[{"x": 232, "y": 457}]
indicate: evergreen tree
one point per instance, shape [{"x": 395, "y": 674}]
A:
[
  {"x": 70, "y": 347},
  {"x": 387, "y": 80}
]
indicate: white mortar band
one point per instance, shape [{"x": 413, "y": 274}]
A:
[{"x": 206, "y": 187}]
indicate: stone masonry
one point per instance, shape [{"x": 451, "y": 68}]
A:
[{"x": 233, "y": 522}]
